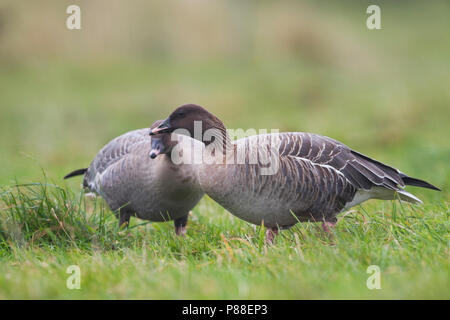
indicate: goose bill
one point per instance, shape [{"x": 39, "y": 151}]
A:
[
  {"x": 154, "y": 153},
  {"x": 162, "y": 128}
]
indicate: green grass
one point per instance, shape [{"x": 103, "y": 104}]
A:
[
  {"x": 46, "y": 228},
  {"x": 292, "y": 66}
]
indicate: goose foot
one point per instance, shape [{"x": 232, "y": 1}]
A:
[
  {"x": 270, "y": 235},
  {"x": 328, "y": 226},
  {"x": 180, "y": 231},
  {"x": 180, "y": 225}
]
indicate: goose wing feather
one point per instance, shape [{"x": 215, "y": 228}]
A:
[
  {"x": 361, "y": 171},
  {"x": 114, "y": 152}
]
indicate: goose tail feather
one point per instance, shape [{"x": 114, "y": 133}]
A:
[
  {"x": 409, "y": 181},
  {"x": 75, "y": 173}
]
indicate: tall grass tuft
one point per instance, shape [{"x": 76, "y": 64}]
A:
[{"x": 43, "y": 214}]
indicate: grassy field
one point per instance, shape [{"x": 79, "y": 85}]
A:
[{"x": 298, "y": 66}]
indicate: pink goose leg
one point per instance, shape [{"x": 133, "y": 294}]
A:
[
  {"x": 328, "y": 226},
  {"x": 270, "y": 235}
]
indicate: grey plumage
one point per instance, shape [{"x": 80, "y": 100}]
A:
[
  {"x": 302, "y": 188},
  {"x": 316, "y": 177},
  {"x": 132, "y": 183}
]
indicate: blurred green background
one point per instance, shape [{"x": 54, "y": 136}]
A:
[{"x": 291, "y": 65}]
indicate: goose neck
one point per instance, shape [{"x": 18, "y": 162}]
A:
[{"x": 217, "y": 138}]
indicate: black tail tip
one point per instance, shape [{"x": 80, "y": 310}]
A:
[
  {"x": 75, "y": 173},
  {"x": 419, "y": 183}
]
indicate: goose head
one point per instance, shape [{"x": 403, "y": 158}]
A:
[
  {"x": 161, "y": 144},
  {"x": 186, "y": 117}
]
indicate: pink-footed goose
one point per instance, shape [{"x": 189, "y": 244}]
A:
[
  {"x": 316, "y": 177},
  {"x": 133, "y": 184}
]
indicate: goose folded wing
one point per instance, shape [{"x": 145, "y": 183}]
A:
[
  {"x": 360, "y": 170},
  {"x": 115, "y": 151}
]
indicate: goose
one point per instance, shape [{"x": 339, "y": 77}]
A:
[
  {"x": 316, "y": 177},
  {"x": 133, "y": 184}
]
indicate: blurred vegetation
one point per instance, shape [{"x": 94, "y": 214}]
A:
[
  {"x": 289, "y": 65},
  {"x": 295, "y": 66}
]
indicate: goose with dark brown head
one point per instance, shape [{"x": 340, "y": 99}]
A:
[
  {"x": 280, "y": 179},
  {"x": 133, "y": 183}
]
